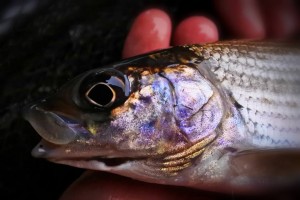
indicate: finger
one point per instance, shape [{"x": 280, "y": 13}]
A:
[
  {"x": 242, "y": 17},
  {"x": 151, "y": 30},
  {"x": 280, "y": 17},
  {"x": 196, "y": 29},
  {"x": 98, "y": 185}
]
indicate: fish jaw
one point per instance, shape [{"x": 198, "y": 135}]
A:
[
  {"x": 101, "y": 161},
  {"x": 145, "y": 169}
]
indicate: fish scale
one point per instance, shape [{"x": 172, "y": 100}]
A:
[{"x": 265, "y": 81}]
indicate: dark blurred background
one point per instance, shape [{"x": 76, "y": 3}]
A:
[{"x": 44, "y": 43}]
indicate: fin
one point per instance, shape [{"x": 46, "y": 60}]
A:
[{"x": 268, "y": 167}]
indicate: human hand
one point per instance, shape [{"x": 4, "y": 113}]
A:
[
  {"x": 152, "y": 30},
  {"x": 245, "y": 19}
]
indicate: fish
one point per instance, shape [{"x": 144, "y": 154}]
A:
[{"x": 222, "y": 117}]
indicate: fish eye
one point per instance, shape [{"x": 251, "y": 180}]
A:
[
  {"x": 105, "y": 89},
  {"x": 101, "y": 95}
]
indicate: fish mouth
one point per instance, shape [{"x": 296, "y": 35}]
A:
[
  {"x": 112, "y": 162},
  {"x": 106, "y": 161},
  {"x": 80, "y": 159},
  {"x": 53, "y": 127},
  {"x": 114, "y": 165}
]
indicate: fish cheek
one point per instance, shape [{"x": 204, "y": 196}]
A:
[
  {"x": 146, "y": 118},
  {"x": 125, "y": 124}
]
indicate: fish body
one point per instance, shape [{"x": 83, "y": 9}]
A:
[{"x": 221, "y": 117}]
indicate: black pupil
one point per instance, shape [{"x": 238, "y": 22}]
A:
[
  {"x": 101, "y": 94},
  {"x": 104, "y": 90}
]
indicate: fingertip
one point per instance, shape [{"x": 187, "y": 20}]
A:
[
  {"x": 195, "y": 29},
  {"x": 242, "y": 17},
  {"x": 150, "y": 30},
  {"x": 280, "y": 18}
]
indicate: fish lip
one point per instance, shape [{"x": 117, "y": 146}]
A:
[
  {"x": 43, "y": 150},
  {"x": 54, "y": 127},
  {"x": 47, "y": 150}
]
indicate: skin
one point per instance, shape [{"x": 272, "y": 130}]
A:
[{"x": 99, "y": 185}]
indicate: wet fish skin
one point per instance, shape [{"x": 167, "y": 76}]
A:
[
  {"x": 211, "y": 117},
  {"x": 264, "y": 80}
]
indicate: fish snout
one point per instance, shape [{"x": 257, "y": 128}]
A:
[{"x": 52, "y": 127}]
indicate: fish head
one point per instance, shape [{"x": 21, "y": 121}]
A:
[{"x": 139, "y": 121}]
